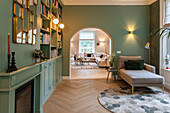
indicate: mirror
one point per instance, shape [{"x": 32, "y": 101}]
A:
[
  {"x": 25, "y": 21},
  {"x": 19, "y": 30}
]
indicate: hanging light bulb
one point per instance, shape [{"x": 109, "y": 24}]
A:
[
  {"x": 55, "y": 21},
  {"x": 61, "y": 26}
]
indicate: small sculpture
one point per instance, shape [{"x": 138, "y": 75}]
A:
[{"x": 13, "y": 63}]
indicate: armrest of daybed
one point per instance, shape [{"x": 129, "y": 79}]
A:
[{"x": 150, "y": 68}]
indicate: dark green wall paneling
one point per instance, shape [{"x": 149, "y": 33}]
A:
[
  {"x": 155, "y": 41},
  {"x": 115, "y": 20},
  {"x": 23, "y": 51},
  {"x": 5, "y": 28}
]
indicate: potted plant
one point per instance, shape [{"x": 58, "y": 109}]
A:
[
  {"x": 112, "y": 60},
  {"x": 163, "y": 32},
  {"x": 39, "y": 55}
]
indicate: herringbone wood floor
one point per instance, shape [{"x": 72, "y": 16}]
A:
[{"x": 77, "y": 96}]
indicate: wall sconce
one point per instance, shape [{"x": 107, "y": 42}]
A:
[
  {"x": 131, "y": 34},
  {"x": 100, "y": 43},
  {"x": 61, "y": 25},
  {"x": 55, "y": 21}
]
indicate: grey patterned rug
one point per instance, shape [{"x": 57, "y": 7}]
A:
[
  {"x": 84, "y": 66},
  {"x": 145, "y": 100}
]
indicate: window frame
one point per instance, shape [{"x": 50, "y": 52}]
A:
[{"x": 86, "y": 40}]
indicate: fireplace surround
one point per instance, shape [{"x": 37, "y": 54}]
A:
[
  {"x": 24, "y": 98},
  {"x": 15, "y": 86}
]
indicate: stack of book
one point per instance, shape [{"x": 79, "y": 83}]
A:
[
  {"x": 53, "y": 53},
  {"x": 55, "y": 3},
  {"x": 44, "y": 38},
  {"x": 60, "y": 10},
  {"x": 45, "y": 11},
  {"x": 46, "y": 1}
]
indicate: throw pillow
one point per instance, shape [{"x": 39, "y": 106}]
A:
[
  {"x": 88, "y": 55},
  {"x": 139, "y": 62},
  {"x": 101, "y": 56},
  {"x": 134, "y": 65}
]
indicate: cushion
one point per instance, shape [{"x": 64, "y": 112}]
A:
[
  {"x": 88, "y": 55},
  {"x": 134, "y": 64},
  {"x": 141, "y": 77},
  {"x": 122, "y": 59},
  {"x": 101, "y": 56},
  {"x": 140, "y": 62}
]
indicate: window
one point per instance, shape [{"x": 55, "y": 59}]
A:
[
  {"x": 86, "y": 42},
  {"x": 166, "y": 13},
  {"x": 165, "y": 23}
]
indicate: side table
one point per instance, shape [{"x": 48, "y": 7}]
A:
[{"x": 114, "y": 73}]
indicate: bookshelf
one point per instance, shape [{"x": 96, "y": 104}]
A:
[{"x": 51, "y": 35}]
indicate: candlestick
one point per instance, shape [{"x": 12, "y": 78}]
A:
[
  {"x": 8, "y": 43},
  {"x": 9, "y": 67},
  {"x": 13, "y": 63}
]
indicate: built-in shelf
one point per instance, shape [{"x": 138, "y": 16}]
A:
[
  {"x": 46, "y": 5},
  {"x": 53, "y": 47},
  {"x": 45, "y": 17},
  {"x": 44, "y": 44},
  {"x": 44, "y": 31},
  {"x": 54, "y": 8},
  {"x": 53, "y": 29}
]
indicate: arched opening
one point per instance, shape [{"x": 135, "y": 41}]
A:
[{"x": 90, "y": 49}]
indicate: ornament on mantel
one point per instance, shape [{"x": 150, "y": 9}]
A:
[
  {"x": 13, "y": 63},
  {"x": 9, "y": 56}
]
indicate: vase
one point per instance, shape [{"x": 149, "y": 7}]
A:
[{"x": 37, "y": 60}]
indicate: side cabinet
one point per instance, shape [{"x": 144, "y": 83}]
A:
[{"x": 51, "y": 77}]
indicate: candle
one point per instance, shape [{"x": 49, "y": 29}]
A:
[{"x": 8, "y": 43}]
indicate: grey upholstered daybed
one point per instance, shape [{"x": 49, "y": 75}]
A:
[{"x": 138, "y": 78}]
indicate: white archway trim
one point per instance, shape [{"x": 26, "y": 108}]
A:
[{"x": 111, "y": 48}]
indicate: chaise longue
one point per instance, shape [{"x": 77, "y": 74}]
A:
[{"x": 139, "y": 78}]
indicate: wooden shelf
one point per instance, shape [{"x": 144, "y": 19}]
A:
[
  {"x": 52, "y": 29},
  {"x": 44, "y": 44},
  {"x": 47, "y": 6},
  {"x": 45, "y": 17},
  {"x": 54, "y": 46},
  {"x": 44, "y": 31}
]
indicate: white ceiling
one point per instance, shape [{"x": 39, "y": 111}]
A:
[{"x": 108, "y": 2}]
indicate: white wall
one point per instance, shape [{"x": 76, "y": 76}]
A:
[{"x": 100, "y": 36}]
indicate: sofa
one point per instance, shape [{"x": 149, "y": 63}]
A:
[{"x": 139, "y": 78}]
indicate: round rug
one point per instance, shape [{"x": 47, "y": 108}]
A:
[{"x": 145, "y": 100}]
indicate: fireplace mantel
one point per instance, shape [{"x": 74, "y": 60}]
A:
[{"x": 46, "y": 75}]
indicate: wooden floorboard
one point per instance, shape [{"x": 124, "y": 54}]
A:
[
  {"x": 77, "y": 96},
  {"x": 80, "y": 95}
]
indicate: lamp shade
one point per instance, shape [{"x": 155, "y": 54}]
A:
[
  {"x": 55, "y": 21},
  {"x": 147, "y": 46},
  {"x": 61, "y": 26}
]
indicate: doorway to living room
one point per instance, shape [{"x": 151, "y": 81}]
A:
[{"x": 90, "y": 50}]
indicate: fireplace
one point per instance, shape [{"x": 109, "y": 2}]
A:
[{"x": 24, "y": 98}]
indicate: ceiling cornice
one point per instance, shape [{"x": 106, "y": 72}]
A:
[{"x": 108, "y": 2}]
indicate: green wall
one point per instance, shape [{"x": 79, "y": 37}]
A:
[
  {"x": 112, "y": 19},
  {"x": 23, "y": 51}
]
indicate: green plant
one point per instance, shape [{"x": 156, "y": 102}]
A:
[
  {"x": 112, "y": 59},
  {"x": 162, "y": 32}
]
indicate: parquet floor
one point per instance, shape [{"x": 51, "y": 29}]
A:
[{"x": 77, "y": 96}]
